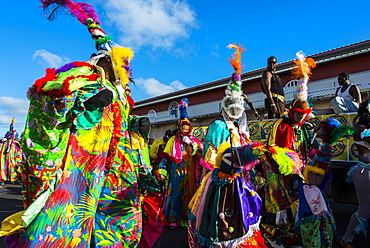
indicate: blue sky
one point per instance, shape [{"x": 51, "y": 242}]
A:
[{"x": 177, "y": 44}]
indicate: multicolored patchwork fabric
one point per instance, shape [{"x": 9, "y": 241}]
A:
[
  {"x": 174, "y": 204},
  {"x": 314, "y": 217},
  {"x": 80, "y": 183},
  {"x": 10, "y": 160}
]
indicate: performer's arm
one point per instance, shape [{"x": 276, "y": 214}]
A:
[
  {"x": 355, "y": 92},
  {"x": 266, "y": 87},
  {"x": 250, "y": 104}
]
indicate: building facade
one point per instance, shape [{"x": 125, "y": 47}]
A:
[{"x": 205, "y": 99}]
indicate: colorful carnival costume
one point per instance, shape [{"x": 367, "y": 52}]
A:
[
  {"x": 226, "y": 210},
  {"x": 184, "y": 169},
  {"x": 231, "y": 126},
  {"x": 281, "y": 191},
  {"x": 314, "y": 216},
  {"x": 10, "y": 156},
  {"x": 80, "y": 182},
  {"x": 151, "y": 194}
]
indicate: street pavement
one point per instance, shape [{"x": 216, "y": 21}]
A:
[{"x": 11, "y": 202}]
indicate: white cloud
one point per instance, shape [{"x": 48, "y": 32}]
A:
[
  {"x": 50, "y": 59},
  {"x": 154, "y": 23},
  {"x": 12, "y": 107},
  {"x": 153, "y": 87}
]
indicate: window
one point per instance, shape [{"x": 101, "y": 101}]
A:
[
  {"x": 174, "y": 109},
  {"x": 152, "y": 115}
]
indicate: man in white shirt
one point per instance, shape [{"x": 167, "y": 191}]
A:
[{"x": 348, "y": 96}]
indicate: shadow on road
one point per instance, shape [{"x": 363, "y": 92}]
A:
[{"x": 11, "y": 202}]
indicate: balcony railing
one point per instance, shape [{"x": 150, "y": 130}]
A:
[{"x": 322, "y": 89}]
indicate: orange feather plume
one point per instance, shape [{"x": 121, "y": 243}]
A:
[
  {"x": 303, "y": 69},
  {"x": 235, "y": 60}
]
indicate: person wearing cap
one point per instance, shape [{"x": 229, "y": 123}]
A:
[
  {"x": 360, "y": 176},
  {"x": 347, "y": 97},
  {"x": 81, "y": 186},
  {"x": 272, "y": 87},
  {"x": 281, "y": 191},
  {"x": 184, "y": 171}
]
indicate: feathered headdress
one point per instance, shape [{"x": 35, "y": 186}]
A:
[
  {"x": 86, "y": 14},
  {"x": 233, "y": 159},
  {"x": 318, "y": 172},
  {"x": 234, "y": 99},
  {"x": 234, "y": 85},
  {"x": 183, "y": 107},
  {"x": 302, "y": 72},
  {"x": 11, "y": 131}
]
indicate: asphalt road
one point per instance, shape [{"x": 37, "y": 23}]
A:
[{"x": 11, "y": 202}]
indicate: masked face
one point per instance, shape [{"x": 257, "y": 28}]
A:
[
  {"x": 184, "y": 129},
  {"x": 233, "y": 106},
  {"x": 106, "y": 64},
  {"x": 299, "y": 117},
  {"x": 315, "y": 179}
]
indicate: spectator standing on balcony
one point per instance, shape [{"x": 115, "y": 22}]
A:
[
  {"x": 272, "y": 88},
  {"x": 347, "y": 97}
]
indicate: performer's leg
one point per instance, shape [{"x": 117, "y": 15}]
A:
[
  {"x": 338, "y": 105},
  {"x": 362, "y": 185},
  {"x": 351, "y": 106}
]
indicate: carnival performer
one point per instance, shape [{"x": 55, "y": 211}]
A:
[
  {"x": 160, "y": 163},
  {"x": 314, "y": 214},
  {"x": 226, "y": 210},
  {"x": 360, "y": 176},
  {"x": 150, "y": 190},
  {"x": 184, "y": 152},
  {"x": 80, "y": 184},
  {"x": 157, "y": 155},
  {"x": 231, "y": 126},
  {"x": 10, "y": 156},
  {"x": 281, "y": 191}
]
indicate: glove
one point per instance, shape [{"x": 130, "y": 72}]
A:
[
  {"x": 144, "y": 125},
  {"x": 102, "y": 99},
  {"x": 186, "y": 139},
  {"x": 195, "y": 149}
]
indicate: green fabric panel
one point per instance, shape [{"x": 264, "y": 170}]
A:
[
  {"x": 45, "y": 139},
  {"x": 35, "y": 208},
  {"x": 87, "y": 116},
  {"x": 73, "y": 84},
  {"x": 209, "y": 225},
  {"x": 310, "y": 234}
]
